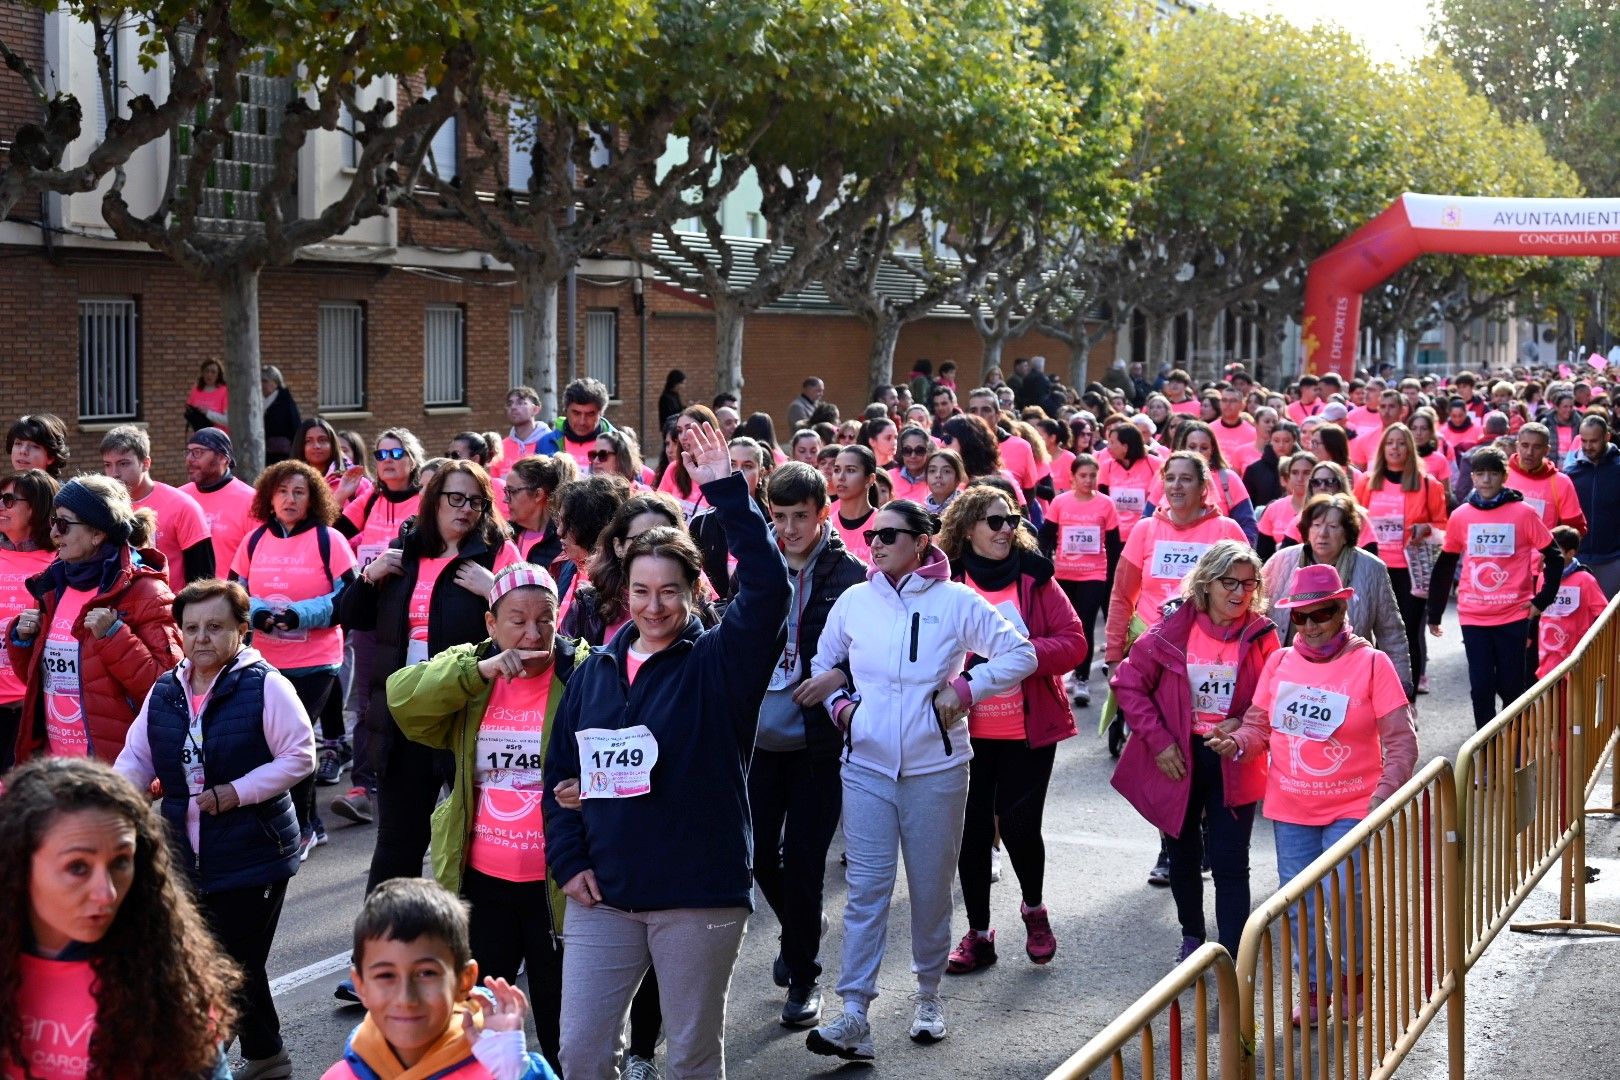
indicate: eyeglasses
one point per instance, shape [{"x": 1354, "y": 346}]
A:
[
  {"x": 61, "y": 524},
  {"x": 458, "y": 500},
  {"x": 1232, "y": 584},
  {"x": 518, "y": 489},
  {"x": 1326, "y": 483},
  {"x": 914, "y": 450},
  {"x": 1320, "y": 617},
  {"x": 601, "y": 455},
  {"x": 997, "y": 522},
  {"x": 886, "y": 536},
  {"x": 197, "y": 451},
  {"x": 393, "y": 453},
  {"x": 454, "y": 455},
  {"x": 10, "y": 499}
]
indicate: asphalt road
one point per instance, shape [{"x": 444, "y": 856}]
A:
[{"x": 1116, "y": 937}]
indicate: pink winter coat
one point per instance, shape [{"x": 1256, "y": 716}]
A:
[
  {"x": 1060, "y": 645},
  {"x": 1151, "y": 688}
]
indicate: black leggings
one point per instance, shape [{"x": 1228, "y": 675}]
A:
[
  {"x": 244, "y": 922},
  {"x": 407, "y": 791},
  {"x": 313, "y": 690},
  {"x": 1089, "y": 598},
  {"x": 1220, "y": 832},
  {"x": 1414, "y": 615},
  {"x": 1006, "y": 780},
  {"x": 510, "y": 926}
]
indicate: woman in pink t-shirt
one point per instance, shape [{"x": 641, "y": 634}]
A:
[
  {"x": 208, "y": 402},
  {"x": 1331, "y": 712},
  {"x": 109, "y": 928},
  {"x": 1125, "y": 474},
  {"x": 25, "y": 550},
  {"x": 1081, "y": 535},
  {"x": 1501, "y": 543}
]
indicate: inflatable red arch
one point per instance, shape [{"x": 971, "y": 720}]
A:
[{"x": 1438, "y": 225}]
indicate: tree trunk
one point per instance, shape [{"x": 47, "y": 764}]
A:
[
  {"x": 880, "y": 359},
  {"x": 990, "y": 356},
  {"x": 1217, "y": 342},
  {"x": 239, "y": 312},
  {"x": 1080, "y": 356},
  {"x": 728, "y": 347},
  {"x": 1124, "y": 345},
  {"x": 540, "y": 336}
]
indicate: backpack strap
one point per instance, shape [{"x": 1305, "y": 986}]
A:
[{"x": 323, "y": 542}]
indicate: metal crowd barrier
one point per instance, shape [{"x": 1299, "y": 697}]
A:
[
  {"x": 1441, "y": 868},
  {"x": 1129, "y": 1042}
]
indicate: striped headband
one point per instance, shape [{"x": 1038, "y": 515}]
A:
[{"x": 518, "y": 576}]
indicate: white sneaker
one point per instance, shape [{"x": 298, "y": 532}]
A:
[
  {"x": 995, "y": 864},
  {"x": 639, "y": 1068},
  {"x": 848, "y": 1036},
  {"x": 928, "y": 1022}
]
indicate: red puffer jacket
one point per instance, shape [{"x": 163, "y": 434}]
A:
[
  {"x": 1060, "y": 645},
  {"x": 115, "y": 672}
]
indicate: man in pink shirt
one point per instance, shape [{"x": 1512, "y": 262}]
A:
[
  {"x": 1546, "y": 490},
  {"x": 1235, "y": 435},
  {"x": 1309, "y": 403},
  {"x": 224, "y": 499},
  {"x": 1459, "y": 430},
  {"x": 1391, "y": 410},
  {"x": 523, "y": 411},
  {"x": 1017, "y": 456},
  {"x": 182, "y": 530},
  {"x": 1176, "y": 390}
]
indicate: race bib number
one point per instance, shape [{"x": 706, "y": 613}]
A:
[
  {"x": 1490, "y": 540},
  {"x": 1212, "y": 686},
  {"x": 616, "y": 764},
  {"x": 509, "y": 759},
  {"x": 61, "y": 664},
  {"x": 1129, "y": 500},
  {"x": 1172, "y": 559},
  {"x": 1569, "y": 598},
  {"x": 1082, "y": 540},
  {"x": 1308, "y": 712},
  {"x": 1538, "y": 505},
  {"x": 1389, "y": 530},
  {"x": 416, "y": 652},
  {"x": 368, "y": 553},
  {"x": 191, "y": 760}
]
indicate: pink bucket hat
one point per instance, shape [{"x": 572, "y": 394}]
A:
[
  {"x": 1314, "y": 584},
  {"x": 518, "y": 576}
]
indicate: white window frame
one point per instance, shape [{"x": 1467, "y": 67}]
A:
[
  {"x": 519, "y": 159},
  {"x": 109, "y": 359},
  {"x": 341, "y": 348},
  {"x": 444, "y": 356},
  {"x": 347, "y": 125},
  {"x": 602, "y": 348},
  {"x": 446, "y": 147}
]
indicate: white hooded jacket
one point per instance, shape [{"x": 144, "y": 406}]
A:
[{"x": 903, "y": 643}]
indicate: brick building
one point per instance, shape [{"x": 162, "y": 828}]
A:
[{"x": 401, "y": 321}]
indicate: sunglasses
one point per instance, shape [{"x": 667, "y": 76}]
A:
[
  {"x": 393, "y": 453},
  {"x": 1232, "y": 584},
  {"x": 455, "y": 455},
  {"x": 997, "y": 522},
  {"x": 10, "y": 499},
  {"x": 458, "y": 500},
  {"x": 62, "y": 524},
  {"x": 886, "y": 536},
  {"x": 1326, "y": 484},
  {"x": 914, "y": 450},
  {"x": 601, "y": 455},
  {"x": 1320, "y": 617}
]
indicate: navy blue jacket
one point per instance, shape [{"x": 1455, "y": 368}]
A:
[
  {"x": 687, "y": 843},
  {"x": 242, "y": 848},
  {"x": 1598, "y": 489}
]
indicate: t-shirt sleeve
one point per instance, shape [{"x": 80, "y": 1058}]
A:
[
  {"x": 1456, "y": 534},
  {"x": 1596, "y": 601},
  {"x": 1135, "y": 545},
  {"x": 1232, "y": 529},
  {"x": 1540, "y": 535},
  {"x": 190, "y": 525},
  {"x": 1387, "y": 695},
  {"x": 1234, "y": 482},
  {"x": 1110, "y": 514},
  {"x": 1265, "y": 692},
  {"x": 342, "y": 558},
  {"x": 239, "y": 561}
]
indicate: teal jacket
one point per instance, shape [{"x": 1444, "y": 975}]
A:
[{"x": 441, "y": 704}]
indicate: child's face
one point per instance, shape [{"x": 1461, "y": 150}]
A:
[
  {"x": 410, "y": 988},
  {"x": 1085, "y": 479}
]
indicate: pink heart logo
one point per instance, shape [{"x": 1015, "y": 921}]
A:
[
  {"x": 1335, "y": 751},
  {"x": 1489, "y": 577}
]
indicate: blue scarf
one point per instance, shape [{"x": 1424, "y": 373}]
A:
[{"x": 95, "y": 573}]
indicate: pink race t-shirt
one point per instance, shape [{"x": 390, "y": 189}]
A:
[
  {"x": 632, "y": 663},
  {"x": 427, "y": 575},
  {"x": 378, "y": 529},
  {"x": 850, "y": 534},
  {"x": 691, "y": 502},
  {"x": 1501, "y": 552},
  {"x": 1062, "y": 468},
  {"x": 1299, "y": 412},
  {"x": 1165, "y": 554},
  {"x": 16, "y": 567},
  {"x": 1127, "y": 488},
  {"x": 1001, "y": 716},
  {"x": 66, "y": 730},
  {"x": 226, "y": 513},
  {"x": 1082, "y": 528},
  {"x": 1552, "y": 495},
  {"x": 1580, "y": 601},
  {"x": 1326, "y": 756},
  {"x": 1236, "y": 442},
  {"x": 915, "y": 490},
  {"x": 57, "y": 1006},
  {"x": 1190, "y": 406},
  {"x": 217, "y": 399},
  {"x": 1211, "y": 678},
  {"x": 180, "y": 525},
  {"x": 287, "y": 569},
  {"x": 1018, "y": 459},
  {"x": 1280, "y": 520},
  {"x": 508, "y": 835}
]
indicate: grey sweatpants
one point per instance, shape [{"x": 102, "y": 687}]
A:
[
  {"x": 607, "y": 952},
  {"x": 920, "y": 818}
]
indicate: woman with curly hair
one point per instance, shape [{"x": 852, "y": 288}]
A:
[
  {"x": 100, "y": 941},
  {"x": 1014, "y": 735},
  {"x": 974, "y": 441}
]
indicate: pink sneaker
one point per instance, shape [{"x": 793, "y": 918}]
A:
[
  {"x": 975, "y": 951},
  {"x": 1313, "y": 1001},
  {"x": 1039, "y": 942}
]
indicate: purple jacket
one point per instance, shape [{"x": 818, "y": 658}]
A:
[{"x": 1151, "y": 688}]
